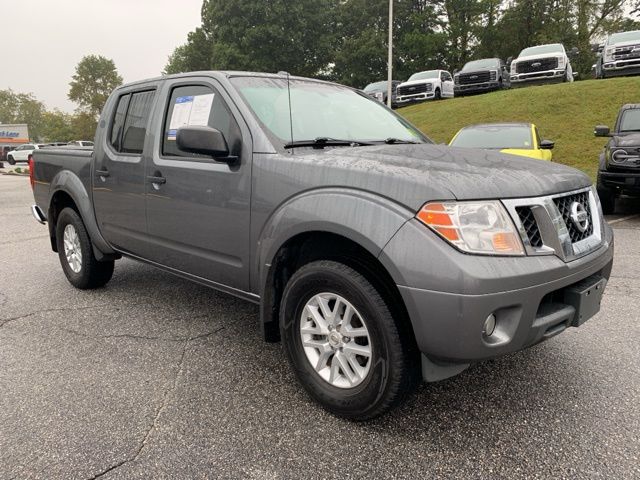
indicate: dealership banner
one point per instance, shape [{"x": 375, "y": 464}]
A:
[{"x": 14, "y": 134}]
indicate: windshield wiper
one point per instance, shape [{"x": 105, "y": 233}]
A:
[
  {"x": 397, "y": 141},
  {"x": 322, "y": 142}
]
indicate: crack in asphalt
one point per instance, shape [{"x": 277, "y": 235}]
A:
[
  {"x": 163, "y": 405},
  {"x": 143, "y": 337},
  {"x": 5, "y": 321}
]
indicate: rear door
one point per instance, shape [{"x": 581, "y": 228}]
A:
[
  {"x": 197, "y": 207},
  {"x": 119, "y": 172}
]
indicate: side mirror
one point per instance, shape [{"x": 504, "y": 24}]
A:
[
  {"x": 576, "y": 75},
  {"x": 574, "y": 51},
  {"x": 508, "y": 62},
  {"x": 602, "y": 131},
  {"x": 455, "y": 72},
  {"x": 547, "y": 145},
  {"x": 202, "y": 140}
]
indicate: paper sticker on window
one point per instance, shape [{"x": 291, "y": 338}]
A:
[{"x": 190, "y": 110}]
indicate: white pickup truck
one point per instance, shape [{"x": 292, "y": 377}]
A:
[
  {"x": 428, "y": 85},
  {"x": 541, "y": 64},
  {"x": 620, "y": 55}
]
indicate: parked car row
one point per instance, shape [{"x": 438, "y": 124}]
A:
[{"x": 24, "y": 152}]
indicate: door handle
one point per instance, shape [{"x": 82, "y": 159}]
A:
[
  {"x": 157, "y": 180},
  {"x": 102, "y": 173}
]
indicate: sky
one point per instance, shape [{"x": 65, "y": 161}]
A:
[{"x": 42, "y": 41}]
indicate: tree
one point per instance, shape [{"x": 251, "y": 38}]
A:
[
  {"x": 57, "y": 127},
  {"x": 95, "y": 78},
  {"x": 194, "y": 55},
  {"x": 22, "y": 108}
]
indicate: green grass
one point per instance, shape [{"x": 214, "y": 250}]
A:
[{"x": 565, "y": 113}]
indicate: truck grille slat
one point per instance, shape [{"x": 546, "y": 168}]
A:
[
  {"x": 564, "y": 204},
  {"x": 539, "y": 65},
  {"x": 530, "y": 226},
  {"x": 414, "y": 89}
]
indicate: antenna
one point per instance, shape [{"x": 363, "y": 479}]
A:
[{"x": 289, "y": 93}]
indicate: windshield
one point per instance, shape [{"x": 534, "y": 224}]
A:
[
  {"x": 321, "y": 110},
  {"x": 630, "y": 121},
  {"x": 424, "y": 75},
  {"x": 495, "y": 137},
  {"x": 624, "y": 37},
  {"x": 541, "y": 50},
  {"x": 378, "y": 86},
  {"x": 480, "y": 64}
]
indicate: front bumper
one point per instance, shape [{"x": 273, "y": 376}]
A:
[
  {"x": 419, "y": 97},
  {"x": 621, "y": 67},
  {"x": 532, "y": 298},
  {"x": 625, "y": 182},
  {"x": 478, "y": 87},
  {"x": 548, "y": 76}
]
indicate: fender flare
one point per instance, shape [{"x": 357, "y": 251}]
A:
[{"x": 69, "y": 183}]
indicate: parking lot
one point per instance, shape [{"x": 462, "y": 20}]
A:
[{"x": 156, "y": 377}]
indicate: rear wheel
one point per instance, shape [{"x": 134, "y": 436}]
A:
[
  {"x": 76, "y": 253},
  {"x": 11, "y": 160},
  {"x": 343, "y": 343}
]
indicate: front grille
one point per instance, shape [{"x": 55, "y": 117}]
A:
[
  {"x": 530, "y": 226},
  {"x": 565, "y": 205},
  {"x": 626, "y": 52},
  {"x": 414, "y": 89},
  {"x": 538, "y": 65},
  {"x": 475, "y": 77}
]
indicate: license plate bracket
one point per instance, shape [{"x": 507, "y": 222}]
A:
[{"x": 585, "y": 297}]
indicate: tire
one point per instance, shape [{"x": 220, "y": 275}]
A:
[
  {"x": 438, "y": 95},
  {"x": 607, "y": 200},
  {"x": 83, "y": 271},
  {"x": 11, "y": 160},
  {"x": 390, "y": 372}
]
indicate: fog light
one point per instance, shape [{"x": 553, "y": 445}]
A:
[{"x": 489, "y": 325}]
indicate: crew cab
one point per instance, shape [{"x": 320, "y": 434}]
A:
[
  {"x": 377, "y": 257},
  {"x": 481, "y": 76},
  {"x": 620, "y": 55},
  {"x": 619, "y": 171},
  {"x": 541, "y": 64},
  {"x": 427, "y": 85}
]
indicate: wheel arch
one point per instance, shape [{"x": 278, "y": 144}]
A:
[{"x": 67, "y": 190}]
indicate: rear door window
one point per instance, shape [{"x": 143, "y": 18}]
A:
[
  {"x": 115, "y": 136},
  {"x": 135, "y": 124}
]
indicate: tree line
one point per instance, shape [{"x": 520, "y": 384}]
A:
[
  {"x": 346, "y": 40},
  {"x": 94, "y": 79}
]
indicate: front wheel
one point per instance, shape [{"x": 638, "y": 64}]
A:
[
  {"x": 11, "y": 160},
  {"x": 343, "y": 343},
  {"x": 438, "y": 95},
  {"x": 76, "y": 253}
]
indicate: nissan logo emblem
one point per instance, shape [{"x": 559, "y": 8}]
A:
[{"x": 579, "y": 216}]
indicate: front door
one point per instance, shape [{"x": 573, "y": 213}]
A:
[
  {"x": 119, "y": 176},
  {"x": 197, "y": 207}
]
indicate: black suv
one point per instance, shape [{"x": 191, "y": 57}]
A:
[
  {"x": 619, "y": 171},
  {"x": 481, "y": 76},
  {"x": 378, "y": 90}
]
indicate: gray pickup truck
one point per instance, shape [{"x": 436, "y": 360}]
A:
[{"x": 376, "y": 257}]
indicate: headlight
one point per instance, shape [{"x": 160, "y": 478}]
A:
[
  {"x": 608, "y": 53},
  {"x": 561, "y": 62},
  {"x": 513, "y": 68},
  {"x": 456, "y": 79},
  {"x": 473, "y": 227}
]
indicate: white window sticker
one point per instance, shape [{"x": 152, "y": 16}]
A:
[{"x": 190, "y": 110}]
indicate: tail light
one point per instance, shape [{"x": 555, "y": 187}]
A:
[{"x": 32, "y": 178}]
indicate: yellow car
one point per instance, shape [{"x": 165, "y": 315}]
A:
[{"x": 515, "y": 138}]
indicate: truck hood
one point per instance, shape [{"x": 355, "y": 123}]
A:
[
  {"x": 629, "y": 140},
  {"x": 415, "y": 174},
  {"x": 628, "y": 43},
  {"x": 540, "y": 56},
  {"x": 418, "y": 82}
]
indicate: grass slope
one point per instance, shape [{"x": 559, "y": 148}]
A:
[{"x": 565, "y": 113}]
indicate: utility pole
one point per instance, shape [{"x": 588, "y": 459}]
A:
[{"x": 390, "y": 61}]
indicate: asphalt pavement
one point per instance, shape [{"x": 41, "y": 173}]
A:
[{"x": 156, "y": 377}]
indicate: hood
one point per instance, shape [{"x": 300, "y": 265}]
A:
[
  {"x": 418, "y": 82},
  {"x": 476, "y": 70},
  {"x": 415, "y": 174},
  {"x": 628, "y": 43},
  {"x": 540, "y": 56},
  {"x": 629, "y": 140}
]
